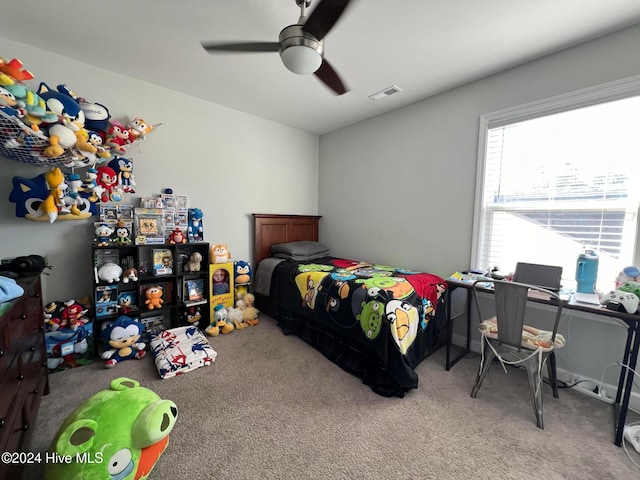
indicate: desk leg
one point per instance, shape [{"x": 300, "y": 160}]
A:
[
  {"x": 625, "y": 384},
  {"x": 448, "y": 361}
]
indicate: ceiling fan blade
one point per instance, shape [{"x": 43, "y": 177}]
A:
[
  {"x": 247, "y": 47},
  {"x": 330, "y": 78},
  {"x": 324, "y": 17}
]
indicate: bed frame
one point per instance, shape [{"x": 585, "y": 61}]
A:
[
  {"x": 390, "y": 376},
  {"x": 271, "y": 229}
]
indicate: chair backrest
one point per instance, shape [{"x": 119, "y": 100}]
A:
[{"x": 511, "y": 301}]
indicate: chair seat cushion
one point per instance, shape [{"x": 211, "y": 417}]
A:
[{"x": 532, "y": 338}]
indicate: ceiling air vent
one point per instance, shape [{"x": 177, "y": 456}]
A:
[{"x": 385, "y": 93}]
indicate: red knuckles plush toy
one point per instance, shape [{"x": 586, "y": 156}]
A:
[{"x": 107, "y": 180}]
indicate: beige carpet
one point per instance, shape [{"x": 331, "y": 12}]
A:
[{"x": 271, "y": 407}]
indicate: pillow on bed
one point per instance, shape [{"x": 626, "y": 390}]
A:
[{"x": 300, "y": 251}]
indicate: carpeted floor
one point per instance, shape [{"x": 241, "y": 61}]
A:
[{"x": 271, "y": 407}]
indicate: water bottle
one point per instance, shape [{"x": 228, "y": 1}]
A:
[{"x": 587, "y": 271}]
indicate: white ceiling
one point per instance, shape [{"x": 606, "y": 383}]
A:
[{"x": 423, "y": 46}]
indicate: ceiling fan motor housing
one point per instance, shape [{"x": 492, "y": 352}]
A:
[{"x": 300, "y": 51}]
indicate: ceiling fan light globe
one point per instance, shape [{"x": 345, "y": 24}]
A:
[{"x": 301, "y": 59}]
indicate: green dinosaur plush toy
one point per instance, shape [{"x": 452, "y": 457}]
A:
[{"x": 118, "y": 433}]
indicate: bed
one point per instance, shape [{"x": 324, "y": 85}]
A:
[{"x": 377, "y": 322}]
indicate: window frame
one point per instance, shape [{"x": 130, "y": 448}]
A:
[{"x": 604, "y": 93}]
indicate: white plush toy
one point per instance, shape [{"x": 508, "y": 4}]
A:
[{"x": 234, "y": 315}]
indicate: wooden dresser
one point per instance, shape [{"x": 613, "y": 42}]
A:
[{"x": 23, "y": 369}]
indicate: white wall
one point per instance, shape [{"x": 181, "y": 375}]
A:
[
  {"x": 399, "y": 188},
  {"x": 229, "y": 163}
]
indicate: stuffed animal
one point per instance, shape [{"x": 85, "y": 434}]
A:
[
  {"x": 121, "y": 340},
  {"x": 124, "y": 170},
  {"x": 250, "y": 313},
  {"x": 117, "y": 136},
  {"x": 138, "y": 129},
  {"x": 194, "y": 229},
  {"x": 110, "y": 272},
  {"x": 234, "y": 315},
  {"x": 107, "y": 180},
  {"x": 130, "y": 274},
  {"x": 69, "y": 131},
  {"x": 153, "y": 297},
  {"x": 103, "y": 234},
  {"x": 193, "y": 265},
  {"x": 220, "y": 253},
  {"x": 177, "y": 236},
  {"x": 191, "y": 315},
  {"x": 52, "y": 204},
  {"x": 117, "y": 433},
  {"x": 219, "y": 323},
  {"x": 242, "y": 272}
]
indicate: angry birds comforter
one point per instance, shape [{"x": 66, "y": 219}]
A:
[{"x": 376, "y": 321}]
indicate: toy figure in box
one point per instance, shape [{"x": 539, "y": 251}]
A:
[
  {"x": 121, "y": 340},
  {"x": 194, "y": 230},
  {"x": 220, "y": 280},
  {"x": 119, "y": 433},
  {"x": 219, "y": 324}
]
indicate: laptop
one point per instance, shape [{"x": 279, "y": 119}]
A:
[{"x": 545, "y": 276}]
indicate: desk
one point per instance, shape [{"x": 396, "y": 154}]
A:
[{"x": 630, "y": 356}]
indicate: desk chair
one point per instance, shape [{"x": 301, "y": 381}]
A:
[{"x": 506, "y": 337}]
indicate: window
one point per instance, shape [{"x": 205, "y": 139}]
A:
[{"x": 558, "y": 177}]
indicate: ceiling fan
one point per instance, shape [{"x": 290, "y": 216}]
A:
[{"x": 301, "y": 46}]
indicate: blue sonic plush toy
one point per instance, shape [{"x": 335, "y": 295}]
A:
[
  {"x": 121, "y": 340},
  {"x": 194, "y": 230}
]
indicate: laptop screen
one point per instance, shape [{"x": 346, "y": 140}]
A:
[{"x": 545, "y": 276}]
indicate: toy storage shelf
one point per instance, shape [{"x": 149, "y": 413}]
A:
[{"x": 163, "y": 265}]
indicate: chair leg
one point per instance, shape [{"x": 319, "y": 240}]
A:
[
  {"x": 535, "y": 388},
  {"x": 553, "y": 376},
  {"x": 487, "y": 358}
]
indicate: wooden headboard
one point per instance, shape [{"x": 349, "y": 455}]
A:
[{"x": 272, "y": 229}]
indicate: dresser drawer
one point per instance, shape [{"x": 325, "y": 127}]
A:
[
  {"x": 15, "y": 324},
  {"x": 17, "y": 432},
  {"x": 10, "y": 388},
  {"x": 23, "y": 370},
  {"x": 32, "y": 362}
]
